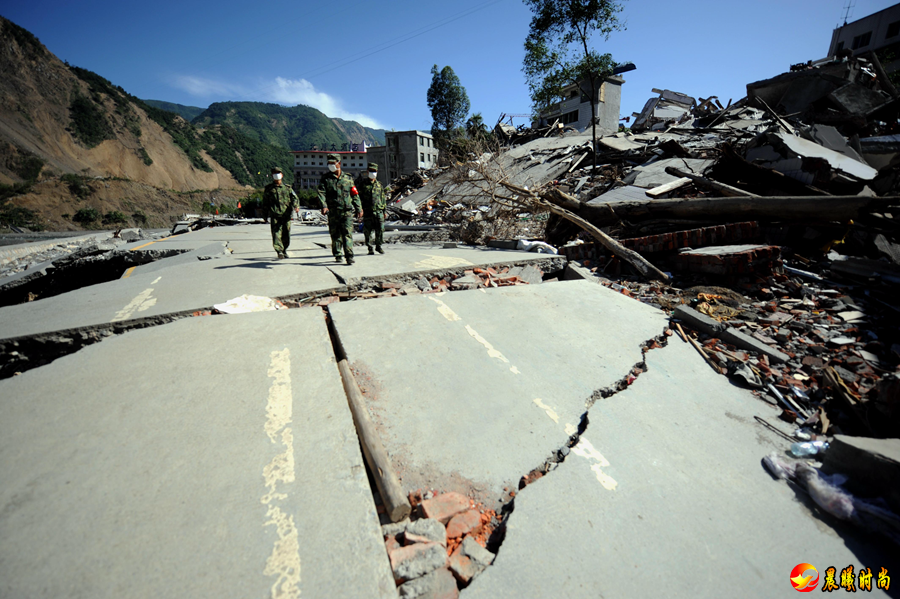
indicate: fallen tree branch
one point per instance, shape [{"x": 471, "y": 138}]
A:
[{"x": 630, "y": 256}]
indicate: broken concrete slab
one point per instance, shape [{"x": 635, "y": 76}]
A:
[
  {"x": 872, "y": 465},
  {"x": 655, "y": 480},
  {"x": 519, "y": 391},
  {"x": 206, "y": 458},
  {"x": 832, "y": 139},
  {"x": 797, "y": 146},
  {"x": 714, "y": 328},
  {"x": 620, "y": 194},
  {"x": 251, "y": 269},
  {"x": 730, "y": 260},
  {"x": 653, "y": 174}
]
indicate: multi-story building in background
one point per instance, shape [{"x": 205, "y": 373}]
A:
[
  {"x": 310, "y": 165},
  {"x": 403, "y": 153},
  {"x": 878, "y": 32}
]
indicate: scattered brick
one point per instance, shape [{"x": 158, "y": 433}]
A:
[
  {"x": 444, "y": 507},
  {"x": 462, "y": 524},
  {"x": 418, "y": 559}
]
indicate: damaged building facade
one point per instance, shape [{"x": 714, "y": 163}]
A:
[
  {"x": 403, "y": 153},
  {"x": 877, "y": 32},
  {"x": 575, "y": 110}
]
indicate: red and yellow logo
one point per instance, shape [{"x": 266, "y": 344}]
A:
[{"x": 804, "y": 578}]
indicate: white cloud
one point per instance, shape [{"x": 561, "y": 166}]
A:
[
  {"x": 289, "y": 92},
  {"x": 300, "y": 91}
]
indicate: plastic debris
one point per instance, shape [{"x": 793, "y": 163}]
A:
[{"x": 249, "y": 303}]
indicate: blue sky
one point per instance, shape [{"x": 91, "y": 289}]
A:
[{"x": 371, "y": 61}]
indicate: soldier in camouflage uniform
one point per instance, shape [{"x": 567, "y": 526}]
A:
[
  {"x": 374, "y": 203},
  {"x": 339, "y": 199},
  {"x": 278, "y": 201}
]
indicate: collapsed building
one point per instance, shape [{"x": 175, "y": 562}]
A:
[{"x": 771, "y": 222}]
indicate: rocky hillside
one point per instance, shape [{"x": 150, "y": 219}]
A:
[
  {"x": 293, "y": 127},
  {"x": 59, "y": 121}
]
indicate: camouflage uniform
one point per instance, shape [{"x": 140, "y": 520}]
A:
[
  {"x": 374, "y": 203},
  {"x": 279, "y": 201},
  {"x": 339, "y": 195}
]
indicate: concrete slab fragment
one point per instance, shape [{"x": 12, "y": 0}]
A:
[
  {"x": 512, "y": 367},
  {"x": 667, "y": 492},
  {"x": 654, "y": 174},
  {"x": 216, "y": 468}
]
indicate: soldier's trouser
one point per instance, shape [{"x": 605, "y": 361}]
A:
[
  {"x": 281, "y": 231},
  {"x": 340, "y": 227},
  {"x": 373, "y": 225}
]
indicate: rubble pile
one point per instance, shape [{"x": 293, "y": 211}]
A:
[
  {"x": 442, "y": 547},
  {"x": 832, "y": 348},
  {"x": 476, "y": 278}
]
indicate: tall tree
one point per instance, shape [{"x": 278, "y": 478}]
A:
[
  {"x": 448, "y": 102},
  {"x": 558, "y": 51}
]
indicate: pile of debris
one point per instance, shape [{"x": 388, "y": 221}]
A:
[
  {"x": 442, "y": 547},
  {"x": 786, "y": 201}
]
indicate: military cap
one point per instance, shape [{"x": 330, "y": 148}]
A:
[
  {"x": 334, "y": 158},
  {"x": 276, "y": 169},
  {"x": 373, "y": 167}
]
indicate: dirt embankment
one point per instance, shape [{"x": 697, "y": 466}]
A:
[{"x": 56, "y": 204}]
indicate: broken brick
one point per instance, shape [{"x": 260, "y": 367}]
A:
[
  {"x": 445, "y": 506},
  {"x": 439, "y": 584},
  {"x": 462, "y": 524},
  {"x": 469, "y": 559},
  {"x": 418, "y": 559},
  {"x": 391, "y": 543}
]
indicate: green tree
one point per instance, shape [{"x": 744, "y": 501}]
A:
[
  {"x": 558, "y": 51},
  {"x": 475, "y": 127},
  {"x": 448, "y": 102}
]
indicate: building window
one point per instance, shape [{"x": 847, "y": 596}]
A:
[
  {"x": 861, "y": 41},
  {"x": 393, "y": 158},
  {"x": 421, "y": 141},
  {"x": 569, "y": 117},
  {"x": 421, "y": 157},
  {"x": 893, "y": 29},
  {"x": 840, "y": 47}
]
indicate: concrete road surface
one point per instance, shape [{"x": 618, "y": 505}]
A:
[{"x": 209, "y": 457}]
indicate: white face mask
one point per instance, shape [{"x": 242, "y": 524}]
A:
[
  {"x": 372, "y": 175},
  {"x": 332, "y": 167},
  {"x": 277, "y": 176}
]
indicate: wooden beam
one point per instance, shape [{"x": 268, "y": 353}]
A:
[{"x": 395, "y": 501}]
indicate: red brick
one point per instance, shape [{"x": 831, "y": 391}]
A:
[
  {"x": 391, "y": 543},
  {"x": 444, "y": 507},
  {"x": 462, "y": 524}
]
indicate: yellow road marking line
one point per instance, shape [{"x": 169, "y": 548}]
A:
[
  {"x": 149, "y": 243},
  {"x": 284, "y": 561},
  {"x": 128, "y": 272}
]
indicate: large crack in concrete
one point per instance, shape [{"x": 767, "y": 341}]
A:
[
  {"x": 20, "y": 354},
  {"x": 558, "y": 456},
  {"x": 87, "y": 267}
]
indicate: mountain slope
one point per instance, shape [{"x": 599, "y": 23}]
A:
[
  {"x": 59, "y": 122},
  {"x": 188, "y": 113},
  {"x": 74, "y": 121},
  {"x": 292, "y": 127}
]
